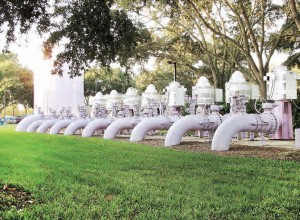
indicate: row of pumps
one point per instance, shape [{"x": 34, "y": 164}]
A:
[{"x": 143, "y": 115}]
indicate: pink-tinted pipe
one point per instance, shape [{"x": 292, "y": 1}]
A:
[
  {"x": 97, "y": 124},
  {"x": 23, "y": 125},
  {"x": 35, "y": 125},
  {"x": 119, "y": 125},
  {"x": 191, "y": 122},
  {"x": 58, "y": 126},
  {"x": 76, "y": 125},
  {"x": 153, "y": 123},
  {"x": 46, "y": 125},
  {"x": 264, "y": 123}
]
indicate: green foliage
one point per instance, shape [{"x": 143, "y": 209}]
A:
[
  {"x": 91, "y": 31},
  {"x": 94, "y": 32},
  {"x": 163, "y": 74},
  {"x": 92, "y": 178},
  {"x": 104, "y": 80},
  {"x": 22, "y": 13},
  {"x": 16, "y": 82}
]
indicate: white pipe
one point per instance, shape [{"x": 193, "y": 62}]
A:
[
  {"x": 34, "y": 125},
  {"x": 97, "y": 124},
  {"x": 191, "y": 122},
  {"x": 265, "y": 123},
  {"x": 58, "y": 126},
  {"x": 153, "y": 123},
  {"x": 120, "y": 124},
  {"x": 76, "y": 125},
  {"x": 23, "y": 125},
  {"x": 46, "y": 125}
]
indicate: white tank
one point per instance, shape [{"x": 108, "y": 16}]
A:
[
  {"x": 131, "y": 97},
  {"x": 57, "y": 92},
  {"x": 114, "y": 98},
  {"x": 175, "y": 94},
  {"x": 150, "y": 93}
]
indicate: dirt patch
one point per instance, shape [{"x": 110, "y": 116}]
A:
[
  {"x": 14, "y": 197},
  {"x": 237, "y": 148}
]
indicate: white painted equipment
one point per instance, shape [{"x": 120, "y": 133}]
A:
[
  {"x": 266, "y": 123},
  {"x": 238, "y": 92},
  {"x": 114, "y": 99},
  {"x": 193, "y": 122},
  {"x": 282, "y": 87},
  {"x": 281, "y": 84},
  {"x": 175, "y": 94},
  {"x": 237, "y": 86},
  {"x": 150, "y": 103},
  {"x": 205, "y": 94},
  {"x": 150, "y": 94},
  {"x": 79, "y": 123}
]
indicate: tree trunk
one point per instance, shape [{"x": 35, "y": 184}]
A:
[
  {"x": 262, "y": 89},
  {"x": 295, "y": 13}
]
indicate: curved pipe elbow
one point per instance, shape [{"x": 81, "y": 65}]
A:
[
  {"x": 119, "y": 125},
  {"x": 35, "y": 125},
  {"x": 46, "y": 125},
  {"x": 58, "y": 126},
  {"x": 97, "y": 124},
  {"x": 180, "y": 127},
  {"x": 76, "y": 125},
  {"x": 148, "y": 124},
  {"x": 265, "y": 122},
  {"x": 23, "y": 125}
]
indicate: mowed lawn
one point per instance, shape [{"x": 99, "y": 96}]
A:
[{"x": 92, "y": 178}]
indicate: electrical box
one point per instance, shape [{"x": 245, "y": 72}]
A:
[{"x": 281, "y": 84}]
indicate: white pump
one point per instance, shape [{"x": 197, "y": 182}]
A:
[
  {"x": 151, "y": 101},
  {"x": 204, "y": 94},
  {"x": 175, "y": 94},
  {"x": 238, "y": 92},
  {"x": 79, "y": 123},
  {"x": 114, "y": 107}
]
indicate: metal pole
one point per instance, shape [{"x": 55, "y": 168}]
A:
[
  {"x": 175, "y": 72},
  {"x": 4, "y": 104}
]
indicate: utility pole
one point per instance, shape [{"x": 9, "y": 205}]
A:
[{"x": 175, "y": 71}]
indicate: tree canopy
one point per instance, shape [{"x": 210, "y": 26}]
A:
[
  {"x": 102, "y": 79},
  {"x": 224, "y": 35},
  {"x": 16, "y": 83},
  {"x": 212, "y": 38},
  {"x": 91, "y": 31}
]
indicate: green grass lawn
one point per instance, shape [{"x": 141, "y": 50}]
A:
[{"x": 77, "y": 178}]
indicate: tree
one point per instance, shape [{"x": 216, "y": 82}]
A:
[
  {"x": 16, "y": 83},
  {"x": 163, "y": 75},
  {"x": 230, "y": 35},
  {"x": 22, "y": 14},
  {"x": 295, "y": 11},
  {"x": 105, "y": 80},
  {"x": 92, "y": 31}
]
